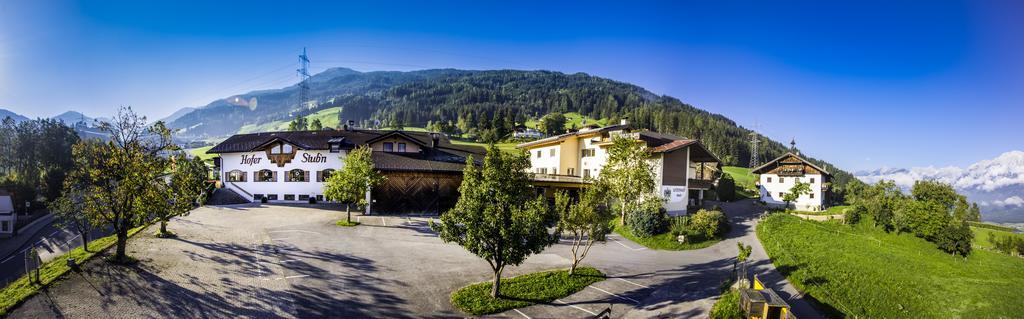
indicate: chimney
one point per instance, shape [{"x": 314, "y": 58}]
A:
[{"x": 434, "y": 137}]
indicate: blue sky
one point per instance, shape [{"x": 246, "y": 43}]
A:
[{"x": 863, "y": 84}]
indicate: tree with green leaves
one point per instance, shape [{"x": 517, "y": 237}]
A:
[
  {"x": 316, "y": 125},
  {"x": 627, "y": 175},
  {"x": 69, "y": 212},
  {"x": 498, "y": 217},
  {"x": 586, "y": 220},
  {"x": 552, "y": 123},
  {"x": 116, "y": 176},
  {"x": 300, "y": 123},
  {"x": 741, "y": 258},
  {"x": 184, "y": 189},
  {"x": 356, "y": 177},
  {"x": 798, "y": 189}
]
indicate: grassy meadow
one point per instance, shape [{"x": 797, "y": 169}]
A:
[
  {"x": 744, "y": 181},
  {"x": 862, "y": 271},
  {"x": 524, "y": 290}
]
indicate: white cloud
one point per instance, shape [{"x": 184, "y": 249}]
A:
[
  {"x": 1010, "y": 201},
  {"x": 987, "y": 175}
]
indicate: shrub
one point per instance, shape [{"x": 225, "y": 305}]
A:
[
  {"x": 709, "y": 223},
  {"x": 679, "y": 225},
  {"x": 853, "y": 215},
  {"x": 726, "y": 189},
  {"x": 955, "y": 239},
  {"x": 648, "y": 222},
  {"x": 727, "y": 307}
]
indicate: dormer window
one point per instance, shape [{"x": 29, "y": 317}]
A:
[
  {"x": 389, "y": 147},
  {"x": 280, "y": 153},
  {"x": 401, "y": 147}
]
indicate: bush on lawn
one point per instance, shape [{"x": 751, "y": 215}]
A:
[
  {"x": 727, "y": 307},
  {"x": 648, "y": 222},
  {"x": 709, "y": 223},
  {"x": 726, "y": 189},
  {"x": 680, "y": 225}
]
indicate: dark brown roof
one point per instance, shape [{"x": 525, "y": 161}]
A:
[
  {"x": 671, "y": 146},
  {"x": 414, "y": 162},
  {"x": 760, "y": 169}
]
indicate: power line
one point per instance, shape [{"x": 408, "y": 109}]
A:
[{"x": 304, "y": 78}]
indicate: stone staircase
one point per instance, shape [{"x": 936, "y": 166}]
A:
[{"x": 225, "y": 196}]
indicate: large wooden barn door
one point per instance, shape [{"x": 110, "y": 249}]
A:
[{"x": 416, "y": 193}]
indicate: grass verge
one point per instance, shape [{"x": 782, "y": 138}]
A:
[
  {"x": 21, "y": 289},
  {"x": 524, "y": 290},
  {"x": 863, "y": 271},
  {"x": 727, "y": 306},
  {"x": 745, "y": 187},
  {"x": 834, "y": 210},
  {"x": 345, "y": 223},
  {"x": 664, "y": 241}
]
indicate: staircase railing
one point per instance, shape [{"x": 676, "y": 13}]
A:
[{"x": 235, "y": 186}]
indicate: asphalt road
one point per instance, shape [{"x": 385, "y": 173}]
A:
[
  {"x": 293, "y": 262},
  {"x": 50, "y": 241}
]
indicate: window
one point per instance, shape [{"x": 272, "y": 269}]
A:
[
  {"x": 323, "y": 175},
  {"x": 401, "y": 147},
  {"x": 782, "y": 179},
  {"x": 236, "y": 176},
  {"x": 554, "y": 170},
  {"x": 542, "y": 170},
  {"x": 296, "y": 175},
  {"x": 286, "y": 148},
  {"x": 797, "y": 179},
  {"x": 571, "y": 171},
  {"x": 551, "y": 152},
  {"x": 271, "y": 196},
  {"x": 289, "y": 196},
  {"x": 389, "y": 147},
  {"x": 282, "y": 148},
  {"x": 781, "y": 194},
  {"x": 5, "y": 226},
  {"x": 266, "y": 175},
  {"x": 812, "y": 180},
  {"x": 668, "y": 193},
  {"x": 586, "y": 173},
  {"x": 335, "y": 147},
  {"x": 589, "y": 152},
  {"x": 319, "y": 198},
  {"x": 769, "y": 179},
  {"x": 812, "y": 195},
  {"x": 304, "y": 197}
]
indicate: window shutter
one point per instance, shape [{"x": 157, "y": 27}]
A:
[
  {"x": 256, "y": 176},
  {"x": 274, "y": 176},
  {"x": 319, "y": 176},
  {"x": 305, "y": 176},
  {"x": 243, "y": 176}
]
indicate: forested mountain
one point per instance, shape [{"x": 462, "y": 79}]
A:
[
  {"x": 481, "y": 101},
  {"x": 14, "y": 116}
]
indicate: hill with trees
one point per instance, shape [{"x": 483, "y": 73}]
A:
[{"x": 484, "y": 104}]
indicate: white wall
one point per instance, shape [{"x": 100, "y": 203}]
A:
[
  {"x": 593, "y": 163},
  {"x": 232, "y": 161},
  {"x": 770, "y": 191},
  {"x": 546, "y": 160}
]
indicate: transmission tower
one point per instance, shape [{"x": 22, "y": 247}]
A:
[
  {"x": 304, "y": 76},
  {"x": 755, "y": 159}
]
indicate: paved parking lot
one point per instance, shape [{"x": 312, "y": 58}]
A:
[{"x": 293, "y": 262}]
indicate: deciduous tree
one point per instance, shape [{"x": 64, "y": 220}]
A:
[
  {"x": 498, "y": 217},
  {"x": 357, "y": 176},
  {"x": 798, "y": 189},
  {"x": 182, "y": 191},
  {"x": 70, "y": 212},
  {"x": 627, "y": 175},
  {"x": 586, "y": 220}
]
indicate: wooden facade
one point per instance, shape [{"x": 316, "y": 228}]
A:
[{"x": 416, "y": 193}]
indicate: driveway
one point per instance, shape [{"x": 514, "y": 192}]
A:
[{"x": 292, "y": 262}]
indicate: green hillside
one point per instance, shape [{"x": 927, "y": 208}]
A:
[
  {"x": 862, "y": 271},
  {"x": 981, "y": 236},
  {"x": 572, "y": 120},
  {"x": 328, "y": 118},
  {"x": 744, "y": 181},
  {"x": 200, "y": 152}
]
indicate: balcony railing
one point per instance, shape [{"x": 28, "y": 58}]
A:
[{"x": 559, "y": 178}]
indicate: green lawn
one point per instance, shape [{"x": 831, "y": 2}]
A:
[
  {"x": 981, "y": 236},
  {"x": 571, "y": 118},
  {"x": 865, "y": 272},
  {"x": 328, "y": 118},
  {"x": 727, "y": 306},
  {"x": 507, "y": 147},
  {"x": 744, "y": 181},
  {"x": 200, "y": 152},
  {"x": 664, "y": 241},
  {"x": 834, "y": 210},
  {"x": 525, "y": 290},
  {"x": 346, "y": 223},
  {"x": 21, "y": 289}
]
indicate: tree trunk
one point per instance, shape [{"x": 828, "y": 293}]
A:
[
  {"x": 496, "y": 285},
  {"x": 163, "y": 227},
  {"x": 122, "y": 241},
  {"x": 348, "y": 212},
  {"x": 85, "y": 240},
  {"x": 622, "y": 221},
  {"x": 572, "y": 269}
]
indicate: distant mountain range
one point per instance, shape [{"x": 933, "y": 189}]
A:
[
  {"x": 15, "y": 116},
  {"x": 997, "y": 185}
]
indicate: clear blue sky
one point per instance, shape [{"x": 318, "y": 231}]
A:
[{"x": 862, "y": 84}]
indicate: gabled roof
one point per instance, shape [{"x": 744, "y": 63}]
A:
[
  {"x": 758, "y": 169},
  {"x": 562, "y": 137},
  {"x": 401, "y": 134},
  {"x": 321, "y": 140}
]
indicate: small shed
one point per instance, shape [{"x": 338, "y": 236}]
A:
[
  {"x": 761, "y": 302},
  {"x": 7, "y": 216}
]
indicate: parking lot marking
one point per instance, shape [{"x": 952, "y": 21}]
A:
[
  {"x": 523, "y": 314},
  {"x": 621, "y": 297},
  {"x": 574, "y": 306},
  {"x": 296, "y": 276},
  {"x": 639, "y": 285},
  {"x": 294, "y": 231},
  {"x": 289, "y": 260},
  {"x": 282, "y": 238}
]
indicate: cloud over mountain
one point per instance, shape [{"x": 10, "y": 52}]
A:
[{"x": 996, "y": 184}]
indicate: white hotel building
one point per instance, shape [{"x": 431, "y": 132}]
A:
[{"x": 778, "y": 176}]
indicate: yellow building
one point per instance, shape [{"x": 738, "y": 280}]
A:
[{"x": 760, "y": 302}]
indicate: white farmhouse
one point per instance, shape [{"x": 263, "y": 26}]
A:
[
  {"x": 778, "y": 176},
  {"x": 7, "y": 215}
]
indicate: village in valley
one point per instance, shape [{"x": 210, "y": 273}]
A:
[{"x": 455, "y": 193}]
